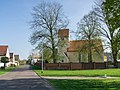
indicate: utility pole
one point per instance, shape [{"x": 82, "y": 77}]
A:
[{"x": 42, "y": 59}]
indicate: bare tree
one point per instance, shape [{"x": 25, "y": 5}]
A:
[
  {"x": 108, "y": 12},
  {"x": 88, "y": 30},
  {"x": 48, "y": 18}
]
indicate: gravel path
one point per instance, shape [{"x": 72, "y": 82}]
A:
[{"x": 76, "y": 77}]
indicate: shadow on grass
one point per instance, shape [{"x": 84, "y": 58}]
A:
[{"x": 86, "y": 84}]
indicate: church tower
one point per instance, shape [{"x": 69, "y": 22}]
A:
[{"x": 63, "y": 36}]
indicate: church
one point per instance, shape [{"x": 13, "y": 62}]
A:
[{"x": 76, "y": 51}]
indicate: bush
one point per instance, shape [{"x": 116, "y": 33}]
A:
[
  {"x": 2, "y": 67},
  {"x": 34, "y": 67}
]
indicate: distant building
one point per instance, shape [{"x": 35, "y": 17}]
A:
[
  {"x": 17, "y": 58},
  {"x": 108, "y": 57},
  {"x": 35, "y": 57},
  {"x": 14, "y": 59}
]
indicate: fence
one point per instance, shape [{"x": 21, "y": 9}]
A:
[
  {"x": 118, "y": 64},
  {"x": 76, "y": 66}
]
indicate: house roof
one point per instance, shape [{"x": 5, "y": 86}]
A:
[
  {"x": 3, "y": 50},
  {"x": 76, "y": 45},
  {"x": 63, "y": 33}
]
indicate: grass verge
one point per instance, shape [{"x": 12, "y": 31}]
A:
[
  {"x": 86, "y": 73},
  {"x": 3, "y": 71},
  {"x": 86, "y": 84}
]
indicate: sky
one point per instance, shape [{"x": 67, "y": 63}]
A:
[{"x": 15, "y": 16}]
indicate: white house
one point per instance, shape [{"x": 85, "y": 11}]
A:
[{"x": 4, "y": 52}]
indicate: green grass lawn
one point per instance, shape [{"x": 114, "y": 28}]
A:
[
  {"x": 86, "y": 84},
  {"x": 3, "y": 71},
  {"x": 88, "y": 73}
]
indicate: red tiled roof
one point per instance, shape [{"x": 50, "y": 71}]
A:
[
  {"x": 3, "y": 50},
  {"x": 63, "y": 33},
  {"x": 75, "y": 45}
]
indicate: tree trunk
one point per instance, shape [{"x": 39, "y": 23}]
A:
[
  {"x": 53, "y": 46},
  {"x": 115, "y": 57},
  {"x": 53, "y": 52},
  {"x": 79, "y": 57},
  {"x": 114, "y": 54},
  {"x": 90, "y": 52},
  {"x": 4, "y": 65},
  {"x": 54, "y": 56},
  {"x": 90, "y": 56}
]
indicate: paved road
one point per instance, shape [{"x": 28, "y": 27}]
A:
[{"x": 23, "y": 79}]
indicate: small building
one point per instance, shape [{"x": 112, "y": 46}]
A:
[
  {"x": 17, "y": 59},
  {"x": 13, "y": 60},
  {"x": 36, "y": 57},
  {"x": 108, "y": 57}
]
